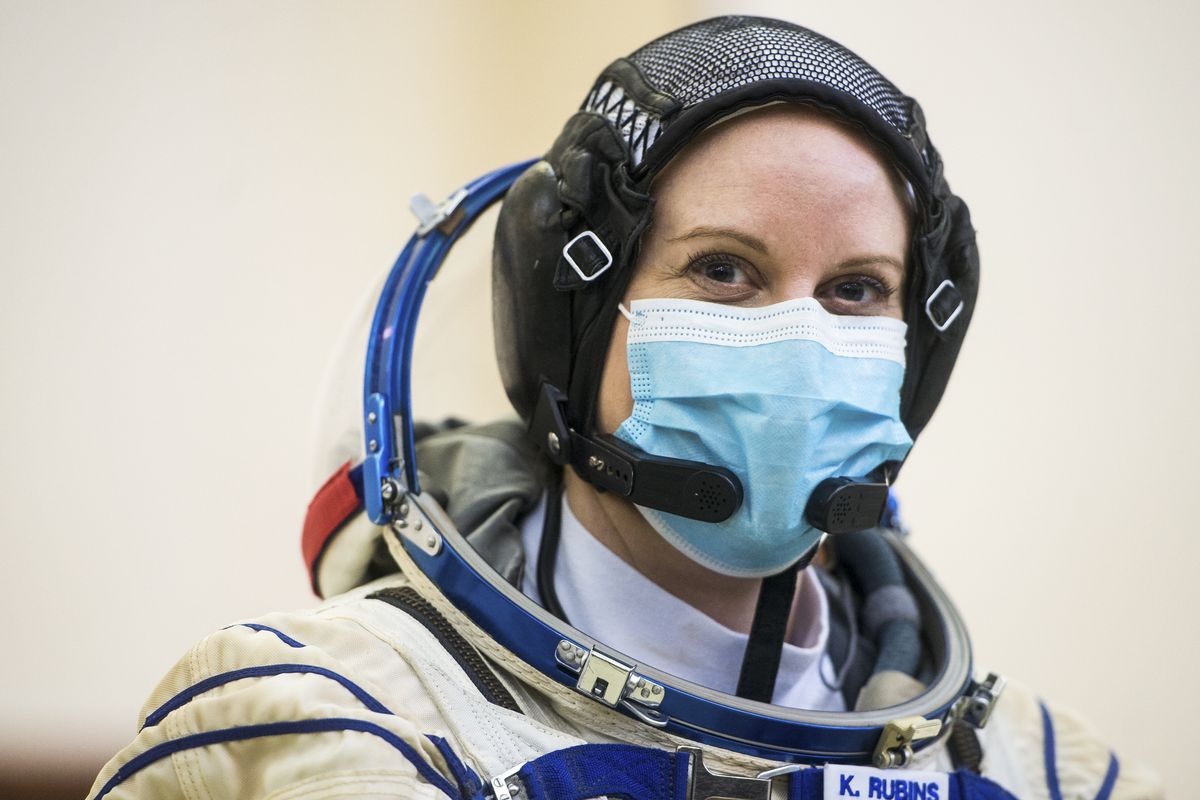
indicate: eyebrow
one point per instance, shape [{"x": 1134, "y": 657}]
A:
[
  {"x": 754, "y": 243},
  {"x": 862, "y": 261},
  {"x": 709, "y": 231}
]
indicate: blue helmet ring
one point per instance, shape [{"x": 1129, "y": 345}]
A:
[{"x": 416, "y": 521}]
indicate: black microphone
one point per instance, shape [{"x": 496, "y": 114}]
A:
[
  {"x": 846, "y": 505},
  {"x": 689, "y": 489}
]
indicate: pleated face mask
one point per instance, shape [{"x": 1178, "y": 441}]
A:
[{"x": 785, "y": 396}]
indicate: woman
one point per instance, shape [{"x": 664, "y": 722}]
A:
[{"x": 727, "y": 300}]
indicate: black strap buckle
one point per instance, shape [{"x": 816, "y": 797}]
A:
[
  {"x": 944, "y": 305},
  {"x": 703, "y": 783},
  {"x": 588, "y": 256}
]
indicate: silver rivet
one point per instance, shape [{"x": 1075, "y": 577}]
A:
[
  {"x": 404, "y": 509},
  {"x": 553, "y": 443},
  {"x": 371, "y": 418},
  {"x": 389, "y": 490},
  {"x": 401, "y": 523},
  {"x": 657, "y": 689},
  {"x": 417, "y": 524},
  {"x": 564, "y": 647},
  {"x": 430, "y": 541},
  {"x": 372, "y": 445}
]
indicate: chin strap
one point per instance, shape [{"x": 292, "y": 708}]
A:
[
  {"x": 768, "y": 632},
  {"x": 889, "y": 614},
  {"x": 547, "y": 556}
]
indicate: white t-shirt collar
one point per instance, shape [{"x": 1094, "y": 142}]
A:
[{"x": 617, "y": 605}]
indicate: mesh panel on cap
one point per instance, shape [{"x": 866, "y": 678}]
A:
[
  {"x": 720, "y": 55},
  {"x": 710, "y": 58}
]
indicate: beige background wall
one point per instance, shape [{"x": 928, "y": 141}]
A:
[{"x": 194, "y": 197}]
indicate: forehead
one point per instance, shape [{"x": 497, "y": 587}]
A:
[
  {"x": 784, "y": 137},
  {"x": 784, "y": 165}
]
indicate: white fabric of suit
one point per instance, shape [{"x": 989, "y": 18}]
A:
[{"x": 401, "y": 664}]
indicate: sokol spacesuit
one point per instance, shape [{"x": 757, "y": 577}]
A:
[{"x": 495, "y": 631}]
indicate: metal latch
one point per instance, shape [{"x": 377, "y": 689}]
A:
[
  {"x": 410, "y": 519},
  {"x": 980, "y": 700},
  {"x": 704, "y": 784},
  {"x": 612, "y": 682},
  {"x": 506, "y": 785},
  {"x": 895, "y": 743},
  {"x": 444, "y": 216}
]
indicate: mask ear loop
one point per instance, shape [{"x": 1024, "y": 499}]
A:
[{"x": 625, "y": 311}]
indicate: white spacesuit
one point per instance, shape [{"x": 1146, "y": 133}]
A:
[{"x": 483, "y": 640}]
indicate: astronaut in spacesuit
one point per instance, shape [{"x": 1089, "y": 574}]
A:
[{"x": 727, "y": 301}]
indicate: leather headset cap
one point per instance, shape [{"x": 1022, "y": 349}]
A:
[{"x": 568, "y": 233}]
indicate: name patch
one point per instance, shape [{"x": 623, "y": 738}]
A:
[{"x": 845, "y": 782}]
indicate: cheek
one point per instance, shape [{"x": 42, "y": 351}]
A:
[{"x": 615, "y": 403}]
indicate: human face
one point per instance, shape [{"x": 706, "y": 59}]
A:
[{"x": 776, "y": 204}]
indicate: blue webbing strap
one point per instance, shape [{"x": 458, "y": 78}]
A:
[
  {"x": 607, "y": 770},
  {"x": 645, "y": 773},
  {"x": 807, "y": 784},
  {"x": 576, "y": 773},
  {"x": 966, "y": 785}
]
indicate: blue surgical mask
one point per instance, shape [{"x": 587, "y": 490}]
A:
[{"x": 785, "y": 396}]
